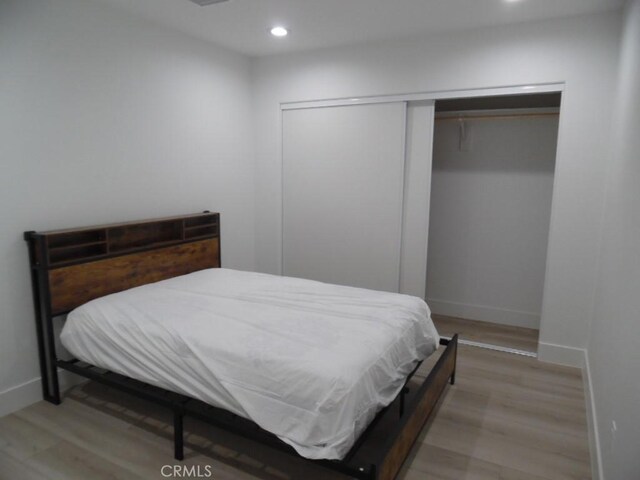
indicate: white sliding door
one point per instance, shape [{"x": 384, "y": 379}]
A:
[
  {"x": 417, "y": 187},
  {"x": 343, "y": 182}
]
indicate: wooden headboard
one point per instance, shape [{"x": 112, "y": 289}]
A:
[{"x": 74, "y": 266}]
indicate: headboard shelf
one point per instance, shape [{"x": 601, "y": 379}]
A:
[
  {"x": 71, "y": 253},
  {"x": 200, "y": 221},
  {"x": 62, "y": 248},
  {"x": 72, "y": 239},
  {"x": 128, "y": 237}
]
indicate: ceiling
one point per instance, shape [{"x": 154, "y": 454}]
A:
[{"x": 243, "y": 25}]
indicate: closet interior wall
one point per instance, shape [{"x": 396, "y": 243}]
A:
[{"x": 491, "y": 193}]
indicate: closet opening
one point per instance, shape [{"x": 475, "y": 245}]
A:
[{"x": 491, "y": 191}]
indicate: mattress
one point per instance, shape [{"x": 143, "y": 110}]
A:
[{"x": 307, "y": 361}]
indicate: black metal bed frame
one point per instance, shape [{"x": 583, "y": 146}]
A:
[{"x": 182, "y": 405}]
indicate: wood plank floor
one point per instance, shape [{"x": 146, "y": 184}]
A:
[
  {"x": 507, "y": 418},
  {"x": 485, "y": 332}
]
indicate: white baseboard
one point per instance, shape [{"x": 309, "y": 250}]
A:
[
  {"x": 483, "y": 313},
  {"x": 592, "y": 422},
  {"x": 21, "y": 396},
  {"x": 561, "y": 355}
]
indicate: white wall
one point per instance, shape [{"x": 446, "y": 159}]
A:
[
  {"x": 107, "y": 118},
  {"x": 581, "y": 51},
  {"x": 614, "y": 345},
  {"x": 490, "y": 210}
]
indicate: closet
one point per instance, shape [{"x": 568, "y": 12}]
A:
[
  {"x": 448, "y": 200},
  {"x": 491, "y": 193}
]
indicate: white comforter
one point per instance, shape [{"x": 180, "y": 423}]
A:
[{"x": 310, "y": 362}]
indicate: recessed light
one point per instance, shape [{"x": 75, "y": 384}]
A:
[
  {"x": 279, "y": 32},
  {"x": 528, "y": 87}
]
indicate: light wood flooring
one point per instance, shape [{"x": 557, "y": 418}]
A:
[
  {"x": 507, "y": 418},
  {"x": 519, "y": 338}
]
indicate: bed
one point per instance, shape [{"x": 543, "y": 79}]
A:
[{"x": 307, "y": 367}]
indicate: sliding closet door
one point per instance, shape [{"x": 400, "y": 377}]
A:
[
  {"x": 343, "y": 176},
  {"x": 417, "y": 190}
]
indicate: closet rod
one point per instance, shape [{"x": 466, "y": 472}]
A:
[{"x": 496, "y": 116}]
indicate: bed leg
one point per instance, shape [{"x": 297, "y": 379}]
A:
[
  {"x": 178, "y": 435},
  {"x": 55, "y": 395},
  {"x": 44, "y": 320},
  {"x": 452, "y": 380}
]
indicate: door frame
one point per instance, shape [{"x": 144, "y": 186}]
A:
[{"x": 435, "y": 95}]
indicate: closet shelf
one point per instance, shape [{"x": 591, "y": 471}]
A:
[{"x": 78, "y": 245}]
